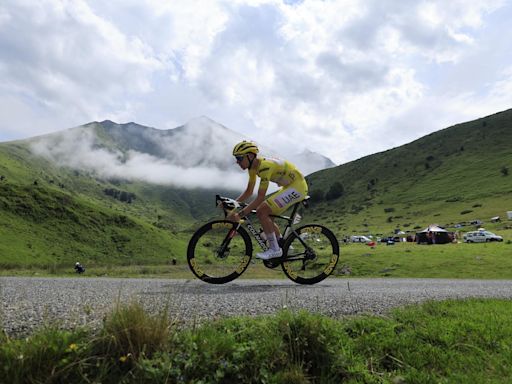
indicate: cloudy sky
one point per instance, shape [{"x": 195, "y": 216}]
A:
[{"x": 345, "y": 78}]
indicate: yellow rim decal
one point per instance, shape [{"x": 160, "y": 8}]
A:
[
  {"x": 331, "y": 265},
  {"x": 243, "y": 264},
  {"x": 311, "y": 230},
  {"x": 221, "y": 225},
  {"x": 196, "y": 268},
  {"x": 292, "y": 273}
]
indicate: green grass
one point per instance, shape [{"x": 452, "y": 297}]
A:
[
  {"x": 51, "y": 216},
  {"x": 478, "y": 261},
  {"x": 43, "y": 226},
  {"x": 402, "y": 260},
  {"x": 466, "y": 341}
]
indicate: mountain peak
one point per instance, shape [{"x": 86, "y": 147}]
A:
[
  {"x": 207, "y": 127},
  {"x": 202, "y": 120}
]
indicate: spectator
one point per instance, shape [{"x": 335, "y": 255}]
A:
[{"x": 79, "y": 268}]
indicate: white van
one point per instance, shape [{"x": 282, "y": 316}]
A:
[
  {"x": 360, "y": 239},
  {"x": 481, "y": 237}
]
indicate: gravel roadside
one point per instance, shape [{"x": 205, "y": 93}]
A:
[{"x": 29, "y": 303}]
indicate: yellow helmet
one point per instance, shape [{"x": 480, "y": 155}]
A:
[{"x": 244, "y": 148}]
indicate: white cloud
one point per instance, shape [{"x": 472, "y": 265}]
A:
[
  {"x": 340, "y": 77},
  {"x": 61, "y": 57},
  {"x": 79, "y": 149}
]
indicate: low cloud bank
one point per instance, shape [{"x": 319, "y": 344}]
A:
[{"x": 79, "y": 149}]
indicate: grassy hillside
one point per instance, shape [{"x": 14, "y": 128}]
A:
[
  {"x": 459, "y": 174},
  {"x": 53, "y": 216},
  {"x": 45, "y": 227}
]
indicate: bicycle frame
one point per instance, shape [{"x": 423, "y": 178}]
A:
[{"x": 287, "y": 231}]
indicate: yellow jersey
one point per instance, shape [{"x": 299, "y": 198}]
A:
[{"x": 278, "y": 171}]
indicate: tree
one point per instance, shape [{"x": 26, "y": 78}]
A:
[
  {"x": 123, "y": 196},
  {"x": 335, "y": 191},
  {"x": 317, "y": 195}
]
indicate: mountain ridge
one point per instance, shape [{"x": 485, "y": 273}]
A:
[{"x": 200, "y": 142}]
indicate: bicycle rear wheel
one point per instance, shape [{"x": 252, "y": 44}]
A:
[
  {"x": 310, "y": 254},
  {"x": 219, "y": 252}
]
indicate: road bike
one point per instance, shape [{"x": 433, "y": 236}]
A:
[{"x": 221, "y": 250}]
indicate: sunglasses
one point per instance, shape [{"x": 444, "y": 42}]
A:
[{"x": 239, "y": 159}]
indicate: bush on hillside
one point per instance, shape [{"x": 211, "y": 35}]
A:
[
  {"x": 335, "y": 191},
  {"x": 316, "y": 195},
  {"x": 125, "y": 197}
]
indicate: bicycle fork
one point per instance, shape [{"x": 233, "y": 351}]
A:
[{"x": 223, "y": 250}]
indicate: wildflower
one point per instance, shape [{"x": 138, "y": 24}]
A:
[
  {"x": 73, "y": 347},
  {"x": 123, "y": 359}
]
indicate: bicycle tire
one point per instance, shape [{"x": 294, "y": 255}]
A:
[
  {"x": 314, "y": 265},
  {"x": 214, "y": 265}
]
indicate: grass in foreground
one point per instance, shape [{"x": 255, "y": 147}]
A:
[{"x": 451, "y": 341}]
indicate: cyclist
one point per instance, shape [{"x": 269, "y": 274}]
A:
[{"x": 293, "y": 189}]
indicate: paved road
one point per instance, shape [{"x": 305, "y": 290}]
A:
[{"x": 27, "y": 303}]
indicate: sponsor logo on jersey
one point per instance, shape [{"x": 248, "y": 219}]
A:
[{"x": 287, "y": 197}]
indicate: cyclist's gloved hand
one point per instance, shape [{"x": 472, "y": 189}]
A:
[{"x": 233, "y": 216}]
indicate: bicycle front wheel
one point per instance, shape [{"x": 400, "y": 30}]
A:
[
  {"x": 310, "y": 254},
  {"x": 219, "y": 252}
]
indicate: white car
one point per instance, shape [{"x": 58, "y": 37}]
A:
[
  {"x": 481, "y": 237},
  {"x": 360, "y": 239}
]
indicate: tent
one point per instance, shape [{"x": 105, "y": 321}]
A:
[{"x": 434, "y": 234}]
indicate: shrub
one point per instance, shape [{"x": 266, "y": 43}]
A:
[
  {"x": 466, "y": 211},
  {"x": 317, "y": 195},
  {"x": 130, "y": 331},
  {"x": 49, "y": 356},
  {"x": 335, "y": 191},
  {"x": 356, "y": 208}
]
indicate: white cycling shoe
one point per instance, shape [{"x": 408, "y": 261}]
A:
[{"x": 270, "y": 254}]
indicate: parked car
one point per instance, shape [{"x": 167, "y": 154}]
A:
[
  {"x": 481, "y": 237},
  {"x": 360, "y": 239}
]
